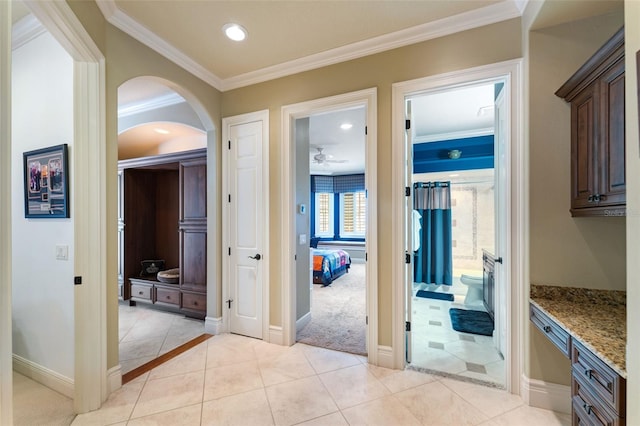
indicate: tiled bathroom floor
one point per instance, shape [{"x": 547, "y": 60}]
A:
[{"x": 437, "y": 347}]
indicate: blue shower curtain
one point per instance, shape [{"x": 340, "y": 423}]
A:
[{"x": 433, "y": 259}]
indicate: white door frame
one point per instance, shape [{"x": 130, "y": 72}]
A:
[
  {"x": 6, "y": 351},
  {"x": 227, "y": 122},
  {"x": 517, "y": 262},
  {"x": 290, "y": 113},
  {"x": 88, "y": 204}
]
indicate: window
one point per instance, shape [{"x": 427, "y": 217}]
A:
[
  {"x": 353, "y": 214},
  {"x": 324, "y": 214}
]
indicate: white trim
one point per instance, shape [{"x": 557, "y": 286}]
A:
[
  {"x": 6, "y": 338},
  {"x": 462, "y": 134},
  {"x": 385, "y": 356},
  {"x": 213, "y": 325},
  {"x": 150, "y": 104},
  {"x": 487, "y": 15},
  {"x": 548, "y": 396},
  {"x": 25, "y": 30},
  {"x": 44, "y": 376},
  {"x": 120, "y": 20},
  {"x": 517, "y": 259},
  {"x": 306, "y": 319},
  {"x": 275, "y": 335},
  {"x": 227, "y": 122},
  {"x": 367, "y": 98},
  {"x": 89, "y": 200},
  {"x": 114, "y": 378}
]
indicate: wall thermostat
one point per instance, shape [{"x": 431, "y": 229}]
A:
[{"x": 302, "y": 209}]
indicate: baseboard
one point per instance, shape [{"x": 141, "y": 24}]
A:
[
  {"x": 275, "y": 335},
  {"x": 44, "y": 376},
  {"x": 213, "y": 325},
  {"x": 306, "y": 319},
  {"x": 549, "y": 396},
  {"x": 114, "y": 379},
  {"x": 385, "y": 356}
]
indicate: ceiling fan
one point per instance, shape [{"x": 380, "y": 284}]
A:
[{"x": 322, "y": 158}]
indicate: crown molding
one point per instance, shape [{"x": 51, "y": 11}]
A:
[
  {"x": 464, "y": 21},
  {"x": 462, "y": 134},
  {"x": 151, "y": 104},
  {"x": 25, "y": 30},
  {"x": 120, "y": 20}
]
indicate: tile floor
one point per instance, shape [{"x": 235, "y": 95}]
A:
[
  {"x": 235, "y": 380},
  {"x": 438, "y": 348},
  {"x": 145, "y": 333},
  {"x": 35, "y": 404}
]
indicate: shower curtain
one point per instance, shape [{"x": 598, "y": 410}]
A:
[{"x": 433, "y": 259}]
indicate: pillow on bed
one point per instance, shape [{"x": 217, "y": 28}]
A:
[{"x": 170, "y": 276}]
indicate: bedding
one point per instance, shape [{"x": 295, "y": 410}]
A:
[{"x": 329, "y": 265}]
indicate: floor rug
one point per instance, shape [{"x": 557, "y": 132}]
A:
[
  {"x": 474, "y": 322},
  {"x": 434, "y": 295}
]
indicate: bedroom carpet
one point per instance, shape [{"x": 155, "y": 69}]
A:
[{"x": 338, "y": 314}]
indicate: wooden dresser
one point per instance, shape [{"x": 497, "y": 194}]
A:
[{"x": 163, "y": 215}]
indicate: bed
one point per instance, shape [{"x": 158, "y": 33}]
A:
[{"x": 329, "y": 265}]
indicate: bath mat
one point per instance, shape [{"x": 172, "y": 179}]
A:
[
  {"x": 474, "y": 322},
  {"x": 434, "y": 295}
]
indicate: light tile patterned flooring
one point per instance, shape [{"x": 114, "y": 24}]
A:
[
  {"x": 437, "y": 347},
  {"x": 146, "y": 333},
  {"x": 236, "y": 380}
]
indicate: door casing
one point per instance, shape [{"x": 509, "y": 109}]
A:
[{"x": 515, "y": 269}]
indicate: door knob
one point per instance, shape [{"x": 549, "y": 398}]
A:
[{"x": 256, "y": 257}]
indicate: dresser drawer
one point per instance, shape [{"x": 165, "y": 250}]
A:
[
  {"x": 167, "y": 296},
  {"x": 600, "y": 380},
  {"x": 588, "y": 410},
  {"x": 553, "y": 331},
  {"x": 194, "y": 302},
  {"x": 142, "y": 292}
]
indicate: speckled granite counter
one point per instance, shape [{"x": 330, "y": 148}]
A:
[{"x": 596, "y": 318}]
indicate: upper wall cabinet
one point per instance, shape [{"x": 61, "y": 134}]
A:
[{"x": 596, "y": 94}]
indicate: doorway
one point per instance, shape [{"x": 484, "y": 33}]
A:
[
  {"x": 510, "y": 180},
  {"x": 330, "y": 264},
  {"x": 296, "y": 244},
  {"x": 455, "y": 328}
]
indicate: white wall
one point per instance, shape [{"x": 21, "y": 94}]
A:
[{"x": 43, "y": 294}]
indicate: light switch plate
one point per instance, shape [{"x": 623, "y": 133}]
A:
[
  {"x": 62, "y": 252},
  {"x": 302, "y": 239}
]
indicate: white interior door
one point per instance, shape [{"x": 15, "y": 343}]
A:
[
  {"x": 246, "y": 222},
  {"x": 501, "y": 160},
  {"x": 408, "y": 211}
]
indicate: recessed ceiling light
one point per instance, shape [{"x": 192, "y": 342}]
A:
[
  {"x": 346, "y": 126},
  {"x": 235, "y": 32},
  {"x": 161, "y": 131}
]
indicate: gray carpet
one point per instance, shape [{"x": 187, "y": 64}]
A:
[{"x": 338, "y": 314}]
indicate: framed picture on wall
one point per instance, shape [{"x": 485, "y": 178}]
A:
[{"x": 46, "y": 183}]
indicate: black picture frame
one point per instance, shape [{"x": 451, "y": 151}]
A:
[{"x": 46, "y": 183}]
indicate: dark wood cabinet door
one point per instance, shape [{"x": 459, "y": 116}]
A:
[
  {"x": 612, "y": 181},
  {"x": 583, "y": 171}
]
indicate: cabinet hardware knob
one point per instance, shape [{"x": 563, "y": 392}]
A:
[
  {"x": 547, "y": 329},
  {"x": 589, "y": 373},
  {"x": 590, "y": 199},
  {"x": 587, "y": 408},
  {"x": 140, "y": 293}
]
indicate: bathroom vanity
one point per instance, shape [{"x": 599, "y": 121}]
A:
[{"x": 590, "y": 328}]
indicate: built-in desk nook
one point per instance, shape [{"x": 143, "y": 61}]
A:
[
  {"x": 162, "y": 215},
  {"x": 590, "y": 328}
]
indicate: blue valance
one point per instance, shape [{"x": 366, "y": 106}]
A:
[{"x": 337, "y": 184}]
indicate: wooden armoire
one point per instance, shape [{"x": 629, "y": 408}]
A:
[{"x": 162, "y": 215}]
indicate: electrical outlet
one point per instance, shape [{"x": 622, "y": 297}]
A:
[{"x": 62, "y": 252}]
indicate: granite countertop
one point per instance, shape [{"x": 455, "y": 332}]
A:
[{"x": 596, "y": 318}]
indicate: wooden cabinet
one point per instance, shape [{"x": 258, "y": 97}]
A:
[
  {"x": 163, "y": 215},
  {"x": 596, "y": 94},
  {"x": 598, "y": 393}
]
